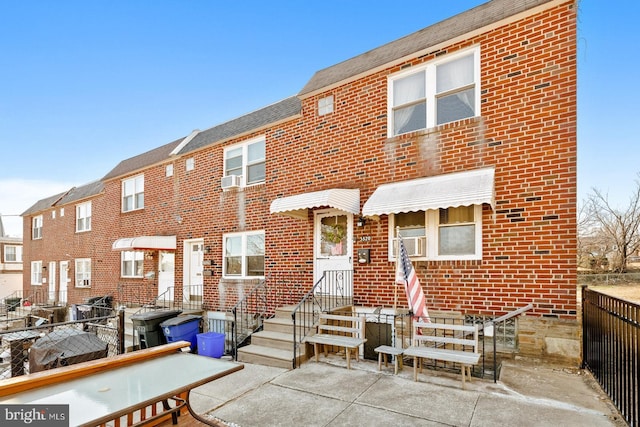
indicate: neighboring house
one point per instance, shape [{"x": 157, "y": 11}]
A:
[
  {"x": 461, "y": 136},
  {"x": 10, "y": 264}
]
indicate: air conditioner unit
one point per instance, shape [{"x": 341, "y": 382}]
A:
[
  {"x": 230, "y": 181},
  {"x": 415, "y": 246}
]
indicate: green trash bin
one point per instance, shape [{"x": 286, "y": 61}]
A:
[{"x": 148, "y": 326}]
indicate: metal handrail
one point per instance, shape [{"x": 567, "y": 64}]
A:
[
  {"x": 248, "y": 314},
  {"x": 327, "y": 294}
]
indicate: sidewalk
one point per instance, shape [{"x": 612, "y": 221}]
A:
[{"x": 327, "y": 394}]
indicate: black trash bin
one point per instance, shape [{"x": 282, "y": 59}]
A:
[
  {"x": 100, "y": 306},
  {"x": 182, "y": 328},
  {"x": 148, "y": 326}
]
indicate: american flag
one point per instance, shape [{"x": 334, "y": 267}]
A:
[{"x": 406, "y": 275}]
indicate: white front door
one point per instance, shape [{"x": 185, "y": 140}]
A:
[
  {"x": 52, "y": 282},
  {"x": 194, "y": 254},
  {"x": 166, "y": 274},
  {"x": 64, "y": 279},
  {"x": 333, "y": 248}
]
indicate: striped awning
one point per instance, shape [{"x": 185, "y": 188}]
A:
[
  {"x": 145, "y": 242},
  {"x": 297, "y": 206},
  {"x": 474, "y": 187}
]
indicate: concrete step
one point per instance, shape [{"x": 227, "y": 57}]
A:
[
  {"x": 277, "y": 340},
  {"x": 276, "y": 324},
  {"x": 267, "y": 356}
]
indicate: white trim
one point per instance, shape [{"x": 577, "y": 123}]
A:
[{"x": 184, "y": 142}]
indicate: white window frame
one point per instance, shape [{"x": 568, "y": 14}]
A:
[
  {"x": 36, "y": 273},
  {"x": 325, "y": 105},
  {"x": 246, "y": 164},
  {"x": 17, "y": 252},
  {"x": 243, "y": 255},
  {"x": 36, "y": 227},
  {"x": 83, "y": 272},
  {"x": 83, "y": 217},
  {"x": 136, "y": 260},
  {"x": 61, "y": 212},
  {"x": 168, "y": 170},
  {"x": 53, "y": 214},
  {"x": 133, "y": 189},
  {"x": 432, "y": 221},
  {"x": 190, "y": 164},
  {"x": 429, "y": 71}
]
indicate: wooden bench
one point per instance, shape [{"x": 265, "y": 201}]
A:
[
  {"x": 445, "y": 342},
  {"x": 339, "y": 331}
]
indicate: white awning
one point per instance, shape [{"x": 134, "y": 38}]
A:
[
  {"x": 473, "y": 187},
  {"x": 145, "y": 242},
  {"x": 297, "y": 206}
]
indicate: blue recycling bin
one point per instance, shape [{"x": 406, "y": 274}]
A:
[{"x": 182, "y": 328}]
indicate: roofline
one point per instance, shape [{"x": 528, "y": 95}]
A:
[{"x": 462, "y": 37}]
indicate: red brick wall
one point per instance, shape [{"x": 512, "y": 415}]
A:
[{"x": 527, "y": 131}]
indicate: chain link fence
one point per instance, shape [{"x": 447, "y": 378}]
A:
[{"x": 33, "y": 344}]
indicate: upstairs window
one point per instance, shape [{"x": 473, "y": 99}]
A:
[
  {"x": 325, "y": 105},
  {"x": 36, "y": 227},
  {"x": 244, "y": 254},
  {"x": 247, "y": 161},
  {"x": 133, "y": 193},
  {"x": 83, "y": 273},
  {"x": 83, "y": 217},
  {"x": 442, "y": 91},
  {"x": 132, "y": 263},
  {"x": 36, "y": 272},
  {"x": 12, "y": 253}
]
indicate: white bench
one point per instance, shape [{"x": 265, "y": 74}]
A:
[
  {"x": 445, "y": 342},
  {"x": 340, "y": 331}
]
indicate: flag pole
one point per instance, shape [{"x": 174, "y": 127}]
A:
[{"x": 395, "y": 286}]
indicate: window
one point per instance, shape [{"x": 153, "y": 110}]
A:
[
  {"x": 12, "y": 253},
  {"x": 442, "y": 234},
  {"x": 246, "y": 160},
  {"x": 83, "y": 217},
  {"x": 36, "y": 227},
  {"x": 36, "y": 272},
  {"x": 439, "y": 92},
  {"x": 133, "y": 193},
  {"x": 244, "y": 254},
  {"x": 83, "y": 273},
  {"x": 61, "y": 211},
  {"x": 190, "y": 164},
  {"x": 132, "y": 263},
  {"x": 53, "y": 214},
  {"x": 325, "y": 105},
  {"x": 168, "y": 170}
]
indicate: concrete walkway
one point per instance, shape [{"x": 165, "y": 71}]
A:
[{"x": 327, "y": 394}]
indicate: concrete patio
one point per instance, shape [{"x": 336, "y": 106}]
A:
[{"x": 528, "y": 393}]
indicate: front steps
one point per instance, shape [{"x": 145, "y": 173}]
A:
[{"x": 273, "y": 346}]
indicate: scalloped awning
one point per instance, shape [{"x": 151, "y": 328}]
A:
[
  {"x": 474, "y": 187},
  {"x": 145, "y": 242},
  {"x": 297, "y": 206}
]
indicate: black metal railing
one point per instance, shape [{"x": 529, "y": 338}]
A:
[
  {"x": 248, "y": 315},
  {"x": 611, "y": 343},
  {"x": 333, "y": 290},
  {"x": 189, "y": 299},
  {"x": 20, "y": 298}
]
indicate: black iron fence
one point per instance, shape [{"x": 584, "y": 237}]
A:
[
  {"x": 611, "y": 343},
  {"x": 32, "y": 344}
]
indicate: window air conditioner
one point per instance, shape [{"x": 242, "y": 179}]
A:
[
  {"x": 230, "y": 181},
  {"x": 415, "y": 246}
]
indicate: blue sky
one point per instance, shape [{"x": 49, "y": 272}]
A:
[{"x": 86, "y": 84}]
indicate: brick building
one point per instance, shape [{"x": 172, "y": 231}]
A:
[{"x": 461, "y": 137}]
